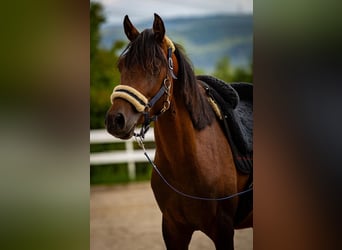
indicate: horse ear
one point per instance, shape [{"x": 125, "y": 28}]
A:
[
  {"x": 158, "y": 28},
  {"x": 130, "y": 31}
]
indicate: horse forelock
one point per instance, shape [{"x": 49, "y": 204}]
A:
[{"x": 144, "y": 52}]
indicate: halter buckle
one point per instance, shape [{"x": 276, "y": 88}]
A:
[
  {"x": 166, "y": 106},
  {"x": 168, "y": 87},
  {"x": 170, "y": 61}
]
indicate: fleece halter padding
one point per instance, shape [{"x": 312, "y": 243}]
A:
[
  {"x": 170, "y": 43},
  {"x": 133, "y": 96}
]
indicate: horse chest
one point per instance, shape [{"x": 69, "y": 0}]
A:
[{"x": 182, "y": 209}]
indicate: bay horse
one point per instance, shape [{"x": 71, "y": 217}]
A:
[{"x": 193, "y": 155}]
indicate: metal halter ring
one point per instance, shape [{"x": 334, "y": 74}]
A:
[
  {"x": 166, "y": 105},
  {"x": 167, "y": 87},
  {"x": 167, "y": 102}
]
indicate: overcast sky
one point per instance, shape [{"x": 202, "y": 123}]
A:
[{"x": 139, "y": 10}]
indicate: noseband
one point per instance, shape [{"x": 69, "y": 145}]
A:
[{"x": 140, "y": 102}]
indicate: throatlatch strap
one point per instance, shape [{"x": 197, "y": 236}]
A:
[{"x": 133, "y": 96}]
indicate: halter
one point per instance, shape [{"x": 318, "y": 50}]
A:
[{"x": 140, "y": 102}]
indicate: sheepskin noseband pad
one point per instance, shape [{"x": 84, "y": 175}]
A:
[
  {"x": 170, "y": 43},
  {"x": 133, "y": 96}
]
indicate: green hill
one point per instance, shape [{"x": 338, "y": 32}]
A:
[{"x": 205, "y": 39}]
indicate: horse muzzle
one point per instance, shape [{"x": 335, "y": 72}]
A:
[{"x": 121, "y": 123}]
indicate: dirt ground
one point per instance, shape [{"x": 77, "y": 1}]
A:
[{"x": 127, "y": 217}]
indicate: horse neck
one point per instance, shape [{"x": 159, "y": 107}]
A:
[
  {"x": 183, "y": 151},
  {"x": 175, "y": 134},
  {"x": 174, "y": 127}
]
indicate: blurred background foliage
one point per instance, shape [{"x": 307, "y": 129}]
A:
[
  {"x": 104, "y": 76},
  {"x": 103, "y": 70}
]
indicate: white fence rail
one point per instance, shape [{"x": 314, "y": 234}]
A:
[{"x": 129, "y": 155}]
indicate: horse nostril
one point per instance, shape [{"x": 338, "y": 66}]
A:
[{"x": 119, "y": 121}]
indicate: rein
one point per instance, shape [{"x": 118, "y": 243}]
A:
[{"x": 140, "y": 141}]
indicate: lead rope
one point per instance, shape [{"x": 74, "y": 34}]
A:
[{"x": 139, "y": 140}]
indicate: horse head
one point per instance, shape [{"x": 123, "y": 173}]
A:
[{"x": 147, "y": 73}]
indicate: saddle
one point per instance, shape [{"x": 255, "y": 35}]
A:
[{"x": 235, "y": 103}]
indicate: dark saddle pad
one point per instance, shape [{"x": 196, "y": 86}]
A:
[{"x": 235, "y": 100}]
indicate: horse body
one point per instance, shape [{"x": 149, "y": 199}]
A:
[
  {"x": 192, "y": 152},
  {"x": 195, "y": 166}
]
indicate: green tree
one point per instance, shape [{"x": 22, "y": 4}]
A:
[
  {"x": 225, "y": 72},
  {"x": 242, "y": 75},
  {"x": 104, "y": 74},
  {"x": 223, "y": 69},
  {"x": 96, "y": 19}
]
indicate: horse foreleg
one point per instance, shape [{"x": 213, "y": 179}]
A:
[
  {"x": 222, "y": 234},
  {"x": 176, "y": 236},
  {"x": 247, "y": 222}
]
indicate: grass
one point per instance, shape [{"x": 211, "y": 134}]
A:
[{"x": 118, "y": 173}]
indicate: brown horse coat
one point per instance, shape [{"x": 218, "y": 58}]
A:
[{"x": 192, "y": 152}]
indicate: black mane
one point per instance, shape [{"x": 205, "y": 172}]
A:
[{"x": 196, "y": 103}]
